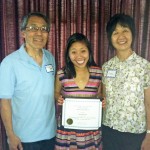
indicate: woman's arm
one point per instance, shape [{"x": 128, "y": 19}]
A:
[
  {"x": 146, "y": 141},
  {"x": 58, "y": 97}
]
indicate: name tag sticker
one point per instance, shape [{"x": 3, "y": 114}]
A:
[
  {"x": 111, "y": 73},
  {"x": 49, "y": 68}
]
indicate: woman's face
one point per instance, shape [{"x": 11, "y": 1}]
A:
[
  {"x": 121, "y": 38},
  {"x": 79, "y": 54}
]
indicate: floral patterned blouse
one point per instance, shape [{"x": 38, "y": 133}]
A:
[{"x": 125, "y": 83}]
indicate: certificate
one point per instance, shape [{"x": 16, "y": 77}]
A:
[{"x": 84, "y": 114}]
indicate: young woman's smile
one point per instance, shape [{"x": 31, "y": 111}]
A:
[{"x": 79, "y": 54}]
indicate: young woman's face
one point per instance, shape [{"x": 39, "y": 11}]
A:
[
  {"x": 79, "y": 54},
  {"x": 121, "y": 38}
]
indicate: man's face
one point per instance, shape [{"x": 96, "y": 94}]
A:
[{"x": 35, "y": 39}]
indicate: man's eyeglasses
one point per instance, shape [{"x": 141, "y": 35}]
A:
[{"x": 43, "y": 29}]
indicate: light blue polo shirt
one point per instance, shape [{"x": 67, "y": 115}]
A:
[{"x": 31, "y": 90}]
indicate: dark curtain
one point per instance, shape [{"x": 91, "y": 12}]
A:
[{"x": 68, "y": 16}]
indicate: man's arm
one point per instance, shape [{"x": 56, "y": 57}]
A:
[
  {"x": 6, "y": 114},
  {"x": 146, "y": 142}
]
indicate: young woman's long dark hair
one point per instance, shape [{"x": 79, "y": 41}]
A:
[{"x": 69, "y": 67}]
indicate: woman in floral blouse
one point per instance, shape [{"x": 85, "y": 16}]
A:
[{"x": 126, "y": 79}]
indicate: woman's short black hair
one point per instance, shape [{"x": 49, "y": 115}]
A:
[
  {"x": 38, "y": 14},
  {"x": 123, "y": 20},
  {"x": 69, "y": 67}
]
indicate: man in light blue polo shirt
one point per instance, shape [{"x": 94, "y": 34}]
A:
[{"x": 27, "y": 89}]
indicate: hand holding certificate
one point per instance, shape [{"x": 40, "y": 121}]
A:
[{"x": 84, "y": 114}]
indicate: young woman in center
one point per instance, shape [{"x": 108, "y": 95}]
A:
[{"x": 80, "y": 77}]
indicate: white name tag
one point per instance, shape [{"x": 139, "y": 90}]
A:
[
  {"x": 49, "y": 68},
  {"x": 111, "y": 73}
]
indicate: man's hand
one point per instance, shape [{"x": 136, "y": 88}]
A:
[{"x": 14, "y": 143}]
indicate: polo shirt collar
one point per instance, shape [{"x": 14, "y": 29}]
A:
[{"x": 24, "y": 56}]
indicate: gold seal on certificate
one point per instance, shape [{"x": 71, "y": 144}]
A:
[
  {"x": 69, "y": 121},
  {"x": 82, "y": 113}
]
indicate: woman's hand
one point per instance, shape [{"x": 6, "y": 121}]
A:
[
  {"x": 104, "y": 102},
  {"x": 60, "y": 100}
]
